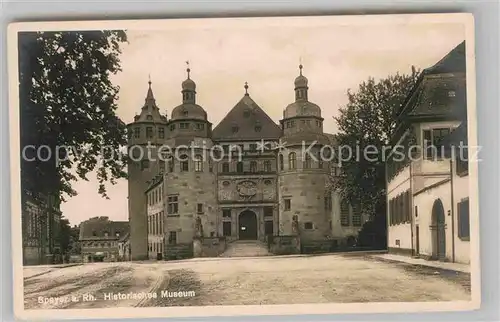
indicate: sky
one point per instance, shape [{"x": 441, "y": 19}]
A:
[{"x": 337, "y": 55}]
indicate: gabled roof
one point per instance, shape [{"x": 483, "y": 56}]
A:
[
  {"x": 245, "y": 116},
  {"x": 97, "y": 227}
]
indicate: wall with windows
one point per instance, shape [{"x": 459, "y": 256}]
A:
[
  {"x": 156, "y": 219},
  {"x": 302, "y": 186},
  {"x": 345, "y": 219},
  {"x": 399, "y": 227},
  {"x": 462, "y": 212},
  {"x": 189, "y": 192}
]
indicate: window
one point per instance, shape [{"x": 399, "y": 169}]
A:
[
  {"x": 320, "y": 161},
  {"x": 106, "y": 234},
  {"x": 200, "y": 126},
  {"x": 267, "y": 166},
  {"x": 344, "y": 213},
  {"x": 210, "y": 165},
  {"x": 308, "y": 225},
  {"x": 433, "y": 142},
  {"x": 268, "y": 211},
  {"x": 199, "y": 208},
  {"x": 172, "y": 204},
  {"x": 356, "y": 215},
  {"x": 235, "y": 129},
  {"x": 416, "y": 211},
  {"x": 172, "y": 127},
  {"x": 239, "y": 167},
  {"x": 226, "y": 213},
  {"x": 307, "y": 161},
  {"x": 170, "y": 162},
  {"x": 226, "y": 228},
  {"x": 225, "y": 167},
  {"x": 269, "y": 228},
  {"x": 282, "y": 162},
  {"x": 149, "y": 132},
  {"x": 292, "y": 159},
  {"x": 463, "y": 220},
  {"x": 172, "y": 238},
  {"x": 161, "y": 165},
  {"x": 328, "y": 202},
  {"x": 144, "y": 164},
  {"x": 258, "y": 128},
  {"x": 198, "y": 163},
  {"x": 253, "y": 147},
  {"x": 137, "y": 132},
  {"x": 288, "y": 204},
  {"x": 292, "y": 123},
  {"x": 462, "y": 161},
  {"x": 184, "y": 164},
  {"x": 184, "y": 126},
  {"x": 451, "y": 94},
  {"x": 185, "y": 113},
  {"x": 253, "y": 166}
]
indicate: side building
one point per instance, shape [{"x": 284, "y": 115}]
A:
[
  {"x": 427, "y": 189},
  {"x": 100, "y": 239},
  {"x": 41, "y": 216}
]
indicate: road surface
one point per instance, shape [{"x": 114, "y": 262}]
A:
[{"x": 239, "y": 281}]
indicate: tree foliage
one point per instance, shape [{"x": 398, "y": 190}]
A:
[
  {"x": 367, "y": 123},
  {"x": 68, "y": 100}
]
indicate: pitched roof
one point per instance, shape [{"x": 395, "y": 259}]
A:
[
  {"x": 97, "y": 227},
  {"x": 245, "y": 116},
  {"x": 453, "y": 62}
]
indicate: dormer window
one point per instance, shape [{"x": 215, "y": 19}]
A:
[
  {"x": 246, "y": 113},
  {"x": 258, "y": 128},
  {"x": 137, "y": 132},
  {"x": 94, "y": 234},
  {"x": 235, "y": 129},
  {"x": 185, "y": 113},
  {"x": 106, "y": 234},
  {"x": 149, "y": 117}
]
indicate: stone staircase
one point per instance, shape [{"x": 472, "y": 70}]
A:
[{"x": 246, "y": 248}]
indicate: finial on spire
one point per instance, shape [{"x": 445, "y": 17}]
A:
[
  {"x": 300, "y": 65},
  {"x": 149, "y": 80},
  {"x": 246, "y": 88},
  {"x": 188, "y": 69}
]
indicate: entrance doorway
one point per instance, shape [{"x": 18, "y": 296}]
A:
[
  {"x": 247, "y": 225},
  {"x": 438, "y": 231}
]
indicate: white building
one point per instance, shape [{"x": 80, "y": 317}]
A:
[{"x": 427, "y": 184}]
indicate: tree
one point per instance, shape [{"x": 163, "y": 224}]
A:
[
  {"x": 366, "y": 124},
  {"x": 65, "y": 238},
  {"x": 68, "y": 110}
]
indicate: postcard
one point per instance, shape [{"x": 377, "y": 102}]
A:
[{"x": 244, "y": 166}]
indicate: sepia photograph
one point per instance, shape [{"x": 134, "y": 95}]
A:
[{"x": 244, "y": 166}]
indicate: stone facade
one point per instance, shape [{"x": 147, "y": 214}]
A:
[
  {"x": 40, "y": 230},
  {"x": 100, "y": 239},
  {"x": 245, "y": 179}
]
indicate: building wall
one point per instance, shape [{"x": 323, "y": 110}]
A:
[
  {"x": 424, "y": 202},
  {"x": 399, "y": 236},
  {"x": 341, "y": 232},
  {"x": 191, "y": 188},
  {"x": 306, "y": 189},
  {"x": 108, "y": 247},
  {"x": 156, "y": 216},
  {"x": 460, "y": 193}
]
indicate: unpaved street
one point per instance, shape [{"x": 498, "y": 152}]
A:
[{"x": 236, "y": 281}]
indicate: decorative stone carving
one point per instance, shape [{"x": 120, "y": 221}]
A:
[{"x": 246, "y": 189}]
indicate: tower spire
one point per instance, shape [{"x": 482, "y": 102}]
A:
[
  {"x": 188, "y": 70},
  {"x": 300, "y": 65},
  {"x": 150, "y": 99}
]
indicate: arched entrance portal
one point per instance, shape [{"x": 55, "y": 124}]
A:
[
  {"x": 247, "y": 225},
  {"x": 438, "y": 231}
]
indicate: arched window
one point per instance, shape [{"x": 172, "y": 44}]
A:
[
  {"x": 253, "y": 166},
  {"x": 292, "y": 160},
  {"x": 344, "y": 212},
  {"x": 184, "y": 163},
  {"x": 282, "y": 162},
  {"x": 239, "y": 167},
  {"x": 307, "y": 161},
  {"x": 198, "y": 163}
]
